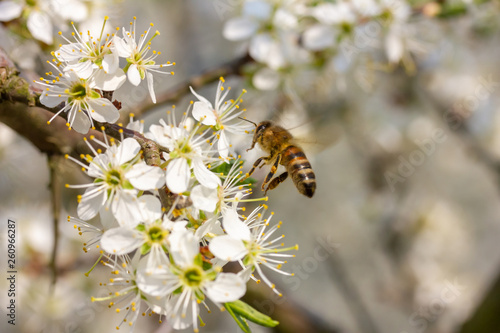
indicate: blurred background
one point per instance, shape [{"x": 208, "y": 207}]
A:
[{"x": 402, "y": 132}]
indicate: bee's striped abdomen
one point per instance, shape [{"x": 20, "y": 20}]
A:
[{"x": 299, "y": 169}]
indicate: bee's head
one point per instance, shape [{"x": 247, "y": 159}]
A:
[{"x": 259, "y": 130}]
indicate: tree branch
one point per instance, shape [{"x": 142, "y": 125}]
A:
[{"x": 55, "y": 192}]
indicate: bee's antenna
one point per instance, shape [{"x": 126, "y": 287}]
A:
[{"x": 248, "y": 121}]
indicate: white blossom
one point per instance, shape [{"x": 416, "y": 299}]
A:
[
  {"x": 81, "y": 101},
  {"x": 221, "y": 117},
  {"x": 188, "y": 152},
  {"x": 251, "y": 244},
  {"x": 188, "y": 276},
  {"x": 128, "y": 295},
  {"x": 42, "y": 15},
  {"x": 141, "y": 64},
  {"x": 94, "y": 58},
  {"x": 119, "y": 175}
]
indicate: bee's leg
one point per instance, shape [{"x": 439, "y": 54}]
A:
[
  {"x": 273, "y": 171},
  {"x": 253, "y": 145},
  {"x": 255, "y": 165},
  {"x": 265, "y": 159},
  {"x": 276, "y": 181}
]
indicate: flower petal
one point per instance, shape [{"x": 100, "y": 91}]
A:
[
  {"x": 227, "y": 287},
  {"x": 126, "y": 209},
  {"x": 121, "y": 240},
  {"x": 394, "y": 46},
  {"x": 204, "y": 114},
  {"x": 227, "y": 248},
  {"x": 318, "y": 37},
  {"x": 145, "y": 177},
  {"x": 151, "y": 276},
  {"x": 90, "y": 204},
  {"x": 107, "y": 219},
  {"x": 71, "y": 10},
  {"x": 159, "y": 135},
  {"x": 240, "y": 28},
  {"x": 82, "y": 68},
  {"x": 47, "y": 99},
  {"x": 110, "y": 63},
  {"x": 69, "y": 52},
  {"x": 266, "y": 79},
  {"x": 133, "y": 75},
  {"x": 201, "y": 98},
  {"x": 108, "y": 82},
  {"x": 203, "y": 175},
  {"x": 103, "y": 110},
  {"x": 40, "y": 26},
  {"x": 150, "y": 81},
  {"x": 284, "y": 19},
  {"x": 223, "y": 145},
  {"x": 81, "y": 123},
  {"x": 9, "y": 10},
  {"x": 184, "y": 247},
  {"x": 95, "y": 167},
  {"x": 178, "y": 175},
  {"x": 121, "y": 47},
  {"x": 208, "y": 226},
  {"x": 260, "y": 47},
  {"x": 234, "y": 226},
  {"x": 182, "y": 320},
  {"x": 127, "y": 150},
  {"x": 150, "y": 208},
  {"x": 204, "y": 198}
]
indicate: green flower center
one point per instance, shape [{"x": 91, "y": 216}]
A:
[
  {"x": 182, "y": 149},
  {"x": 156, "y": 234},
  {"x": 78, "y": 91},
  {"x": 193, "y": 276},
  {"x": 114, "y": 177},
  {"x": 253, "y": 251}
]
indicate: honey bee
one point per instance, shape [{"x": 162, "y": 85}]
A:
[{"x": 279, "y": 143}]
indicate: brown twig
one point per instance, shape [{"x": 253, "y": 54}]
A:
[{"x": 55, "y": 191}]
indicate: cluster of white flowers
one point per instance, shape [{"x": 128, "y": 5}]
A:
[
  {"x": 88, "y": 66},
  {"x": 172, "y": 260},
  {"x": 169, "y": 223},
  {"x": 42, "y": 15},
  {"x": 288, "y": 35},
  {"x": 168, "y": 229}
]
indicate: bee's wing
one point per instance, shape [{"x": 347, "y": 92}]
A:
[
  {"x": 313, "y": 129},
  {"x": 313, "y": 135}
]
